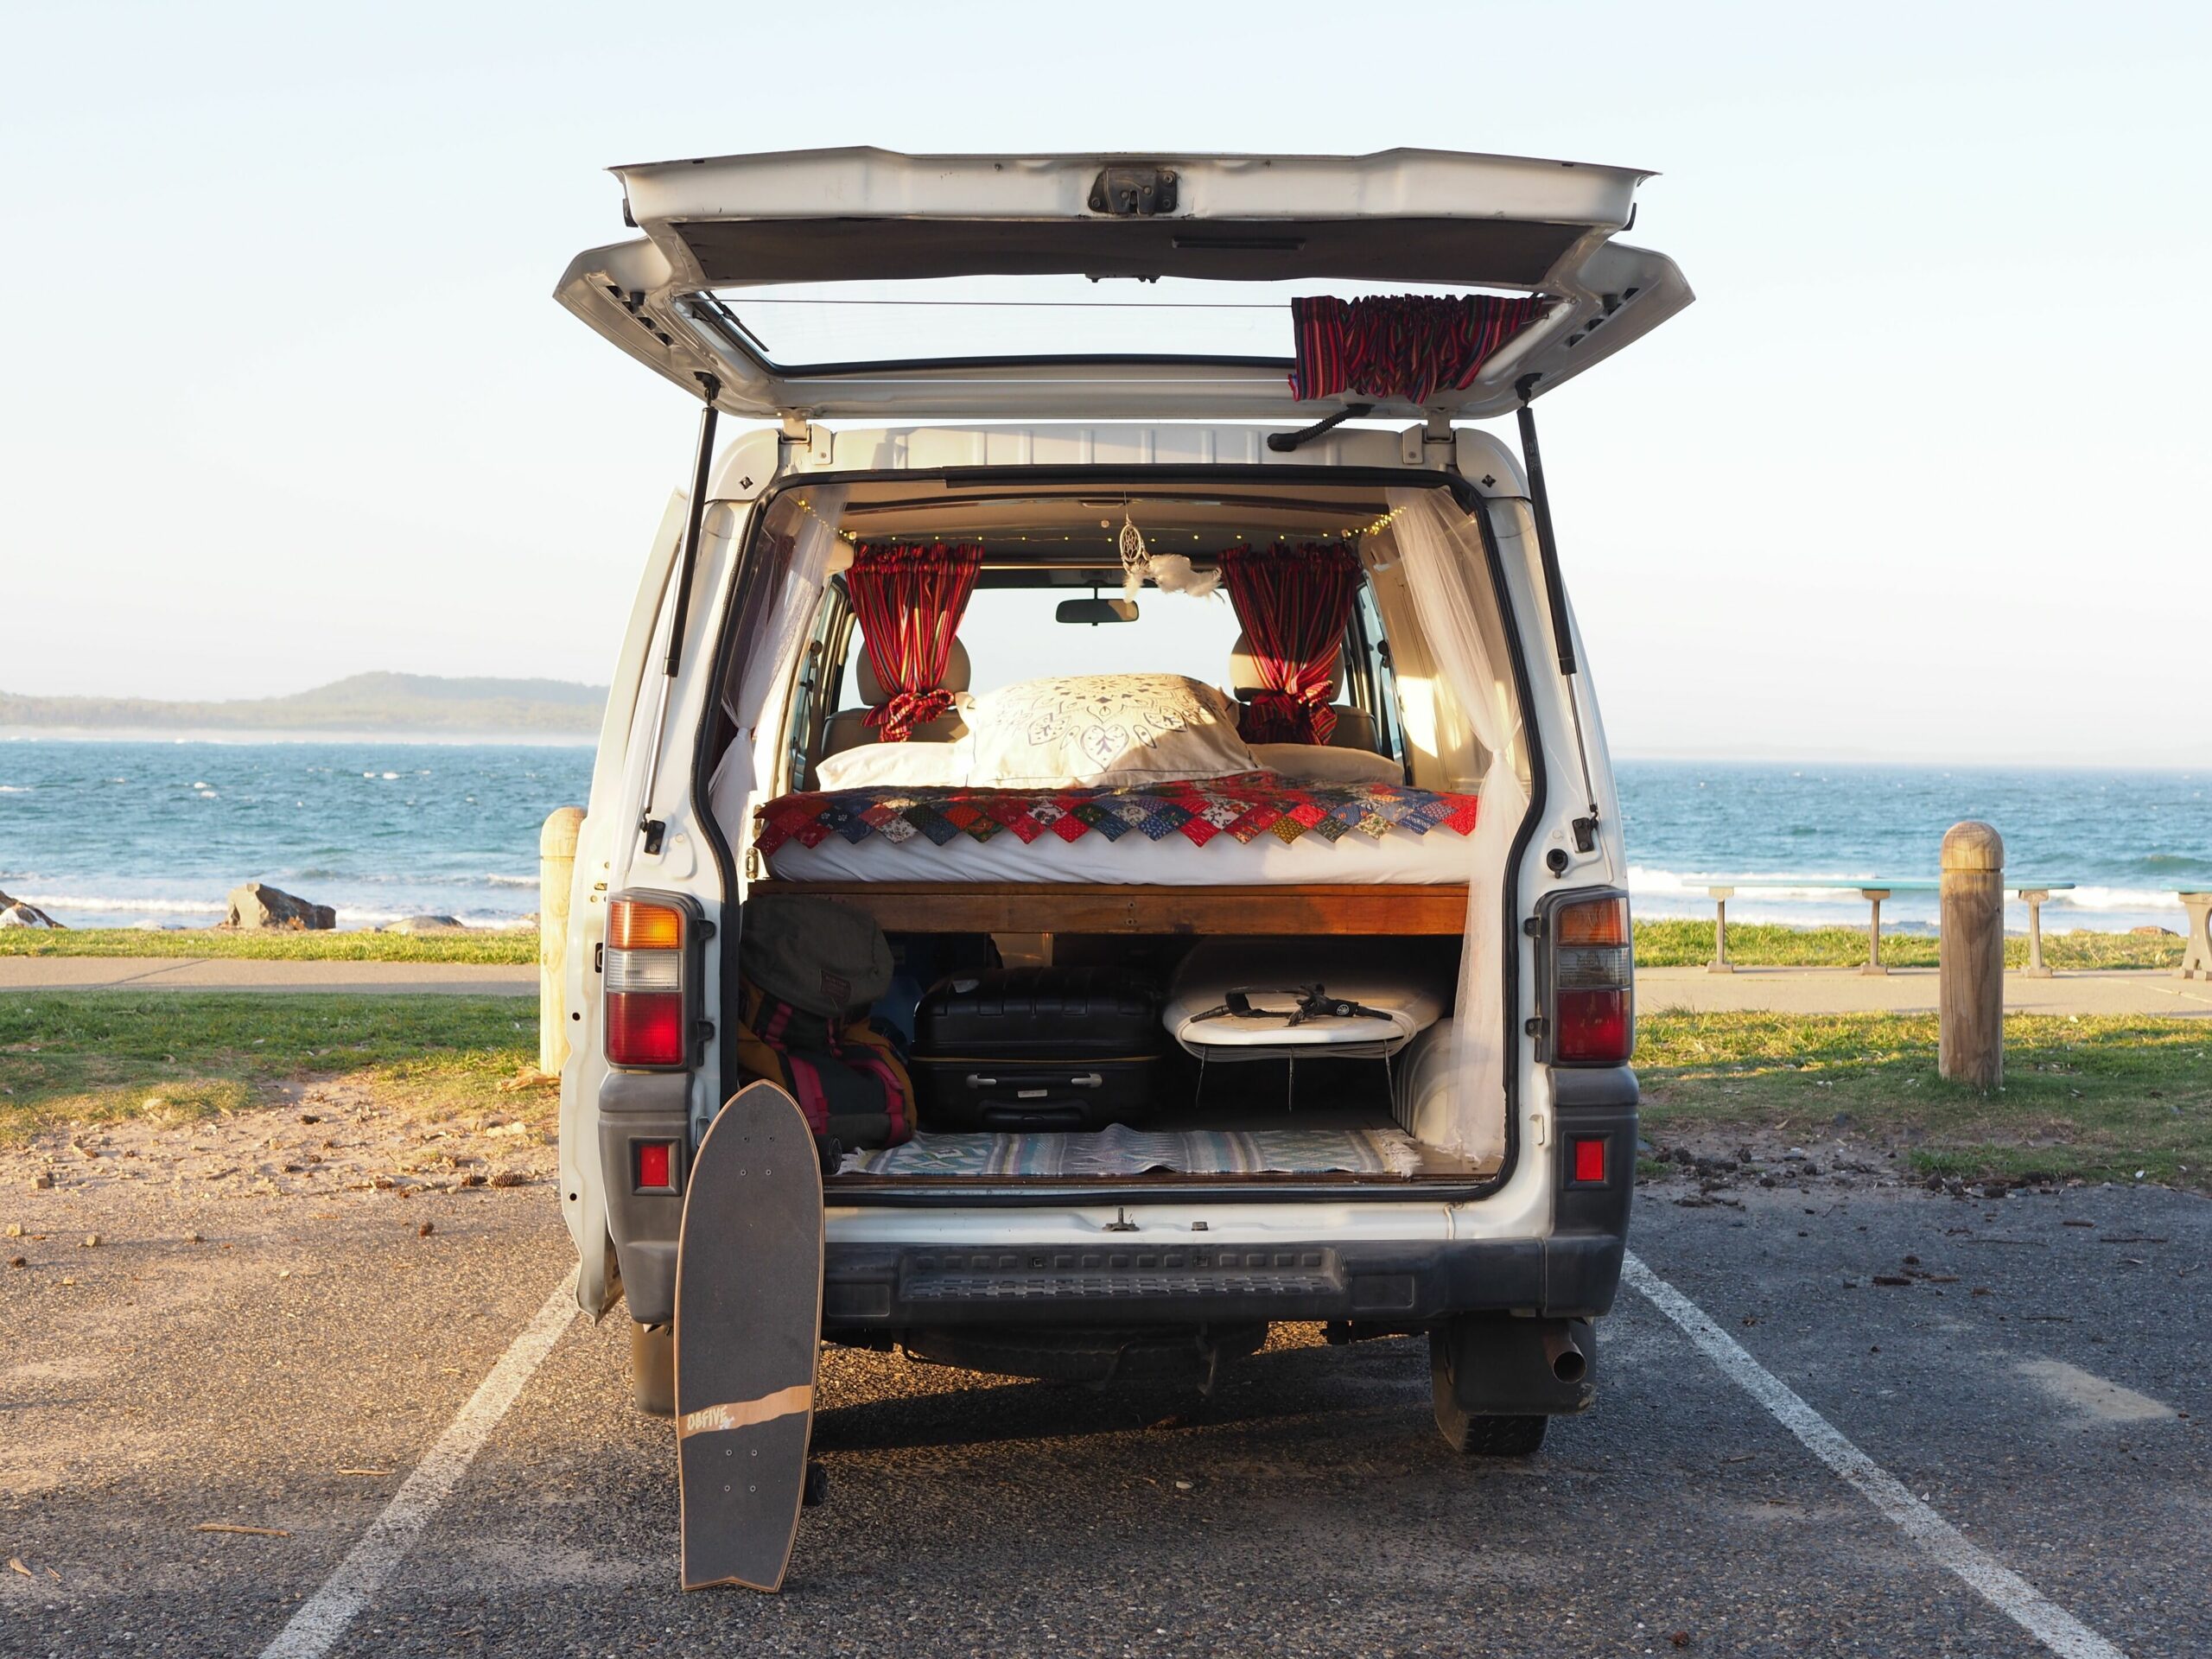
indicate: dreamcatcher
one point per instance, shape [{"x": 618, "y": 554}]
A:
[{"x": 1171, "y": 573}]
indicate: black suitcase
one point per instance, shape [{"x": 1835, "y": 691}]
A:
[{"x": 1020, "y": 1049}]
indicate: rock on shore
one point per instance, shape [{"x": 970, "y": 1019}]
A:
[
  {"x": 14, "y": 912},
  {"x": 256, "y": 905}
]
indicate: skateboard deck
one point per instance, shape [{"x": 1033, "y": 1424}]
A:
[{"x": 748, "y": 1330}]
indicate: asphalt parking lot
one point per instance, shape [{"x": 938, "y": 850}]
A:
[{"x": 2037, "y": 1382}]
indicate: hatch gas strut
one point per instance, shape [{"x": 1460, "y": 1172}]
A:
[
  {"x": 652, "y": 828},
  {"x": 1283, "y": 443},
  {"x": 1585, "y": 829}
]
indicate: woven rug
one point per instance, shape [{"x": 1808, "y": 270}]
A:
[{"x": 1121, "y": 1151}]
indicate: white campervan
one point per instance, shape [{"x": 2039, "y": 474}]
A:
[{"x": 1113, "y": 601}]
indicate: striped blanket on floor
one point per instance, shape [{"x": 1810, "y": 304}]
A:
[{"x": 1121, "y": 1151}]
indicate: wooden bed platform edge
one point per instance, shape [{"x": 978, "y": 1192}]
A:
[{"x": 1069, "y": 907}]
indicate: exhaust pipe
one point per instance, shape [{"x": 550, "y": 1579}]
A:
[{"x": 1569, "y": 1364}]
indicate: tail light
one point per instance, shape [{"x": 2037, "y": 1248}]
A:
[
  {"x": 1589, "y": 981},
  {"x": 649, "y": 979}
]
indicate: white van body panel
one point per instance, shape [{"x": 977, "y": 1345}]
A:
[{"x": 599, "y": 842}]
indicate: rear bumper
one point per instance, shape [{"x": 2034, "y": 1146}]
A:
[{"x": 890, "y": 1288}]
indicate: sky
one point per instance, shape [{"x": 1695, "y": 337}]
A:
[{"x": 283, "y": 395}]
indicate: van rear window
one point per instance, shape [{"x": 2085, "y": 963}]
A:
[{"x": 814, "y": 326}]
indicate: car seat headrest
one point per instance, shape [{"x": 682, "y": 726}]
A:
[
  {"x": 1244, "y": 674},
  {"x": 871, "y": 689}
]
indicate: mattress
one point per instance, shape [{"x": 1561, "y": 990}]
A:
[
  {"x": 1176, "y": 863},
  {"x": 1248, "y": 828}
]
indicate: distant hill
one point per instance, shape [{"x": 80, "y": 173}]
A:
[{"x": 429, "y": 703}]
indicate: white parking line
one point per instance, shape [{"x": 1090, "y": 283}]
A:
[
  {"x": 327, "y": 1613},
  {"x": 2002, "y": 1588}
]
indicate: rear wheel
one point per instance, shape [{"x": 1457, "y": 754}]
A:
[
  {"x": 653, "y": 1369},
  {"x": 1475, "y": 1434}
]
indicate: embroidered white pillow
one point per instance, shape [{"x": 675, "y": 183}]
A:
[
  {"x": 1097, "y": 729},
  {"x": 889, "y": 765},
  {"x": 1317, "y": 763}
]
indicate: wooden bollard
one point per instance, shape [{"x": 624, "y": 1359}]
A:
[
  {"x": 556, "y": 867},
  {"x": 1970, "y": 991}
]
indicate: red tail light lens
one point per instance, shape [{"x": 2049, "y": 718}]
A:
[
  {"x": 648, "y": 1004},
  {"x": 1593, "y": 1028},
  {"x": 645, "y": 1030},
  {"x": 1591, "y": 981},
  {"x": 656, "y": 1166},
  {"x": 1589, "y": 1160}
]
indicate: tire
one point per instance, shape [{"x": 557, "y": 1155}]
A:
[
  {"x": 653, "y": 1369},
  {"x": 1473, "y": 1434}
]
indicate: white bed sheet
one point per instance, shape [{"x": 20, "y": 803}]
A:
[{"x": 1399, "y": 858}]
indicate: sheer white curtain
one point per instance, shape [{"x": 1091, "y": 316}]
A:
[
  {"x": 753, "y": 699},
  {"x": 1447, "y": 579}
]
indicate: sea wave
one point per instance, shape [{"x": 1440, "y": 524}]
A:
[
  {"x": 2090, "y": 898},
  {"x": 110, "y": 905}
]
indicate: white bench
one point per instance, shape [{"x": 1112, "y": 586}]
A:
[
  {"x": 2197, "y": 954},
  {"x": 1874, "y": 891}
]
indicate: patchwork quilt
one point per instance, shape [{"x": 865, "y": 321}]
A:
[{"x": 1244, "y": 806}]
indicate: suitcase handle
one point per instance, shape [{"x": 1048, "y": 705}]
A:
[
  {"x": 1040, "y": 1080},
  {"x": 1033, "y": 1117}
]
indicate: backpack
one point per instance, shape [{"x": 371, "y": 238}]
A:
[{"x": 808, "y": 970}]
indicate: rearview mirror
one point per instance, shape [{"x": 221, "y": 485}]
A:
[{"x": 1092, "y": 611}]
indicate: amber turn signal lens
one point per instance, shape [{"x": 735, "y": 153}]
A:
[
  {"x": 634, "y": 926},
  {"x": 1598, "y": 921}
]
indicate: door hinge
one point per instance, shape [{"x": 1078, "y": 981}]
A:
[{"x": 819, "y": 440}]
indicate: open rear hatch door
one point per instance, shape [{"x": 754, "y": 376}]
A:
[{"x": 863, "y": 283}]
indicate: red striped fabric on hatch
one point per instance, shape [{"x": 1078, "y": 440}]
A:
[{"x": 1401, "y": 346}]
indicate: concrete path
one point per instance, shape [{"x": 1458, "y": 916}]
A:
[
  {"x": 243, "y": 974},
  {"x": 1912, "y": 991},
  {"x": 1785, "y": 990}
]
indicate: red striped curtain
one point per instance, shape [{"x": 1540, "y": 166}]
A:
[
  {"x": 909, "y": 598},
  {"x": 1401, "y": 346},
  {"x": 1293, "y": 603}
]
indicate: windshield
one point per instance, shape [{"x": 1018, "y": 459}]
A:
[{"x": 1011, "y": 635}]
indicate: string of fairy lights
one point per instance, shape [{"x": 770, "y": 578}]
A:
[{"x": 1350, "y": 533}]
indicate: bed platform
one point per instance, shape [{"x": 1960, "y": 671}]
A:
[{"x": 1425, "y": 909}]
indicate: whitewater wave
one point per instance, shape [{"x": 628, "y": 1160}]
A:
[
  {"x": 111, "y": 905},
  {"x": 2116, "y": 899}
]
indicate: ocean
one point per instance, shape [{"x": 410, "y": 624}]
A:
[{"x": 112, "y": 834}]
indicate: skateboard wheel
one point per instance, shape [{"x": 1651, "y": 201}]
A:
[{"x": 817, "y": 1486}]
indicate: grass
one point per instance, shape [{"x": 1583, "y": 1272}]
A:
[
  {"x": 517, "y": 948},
  {"x": 94, "y": 1057},
  {"x": 2094, "y": 1098},
  {"x": 1771, "y": 944}
]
